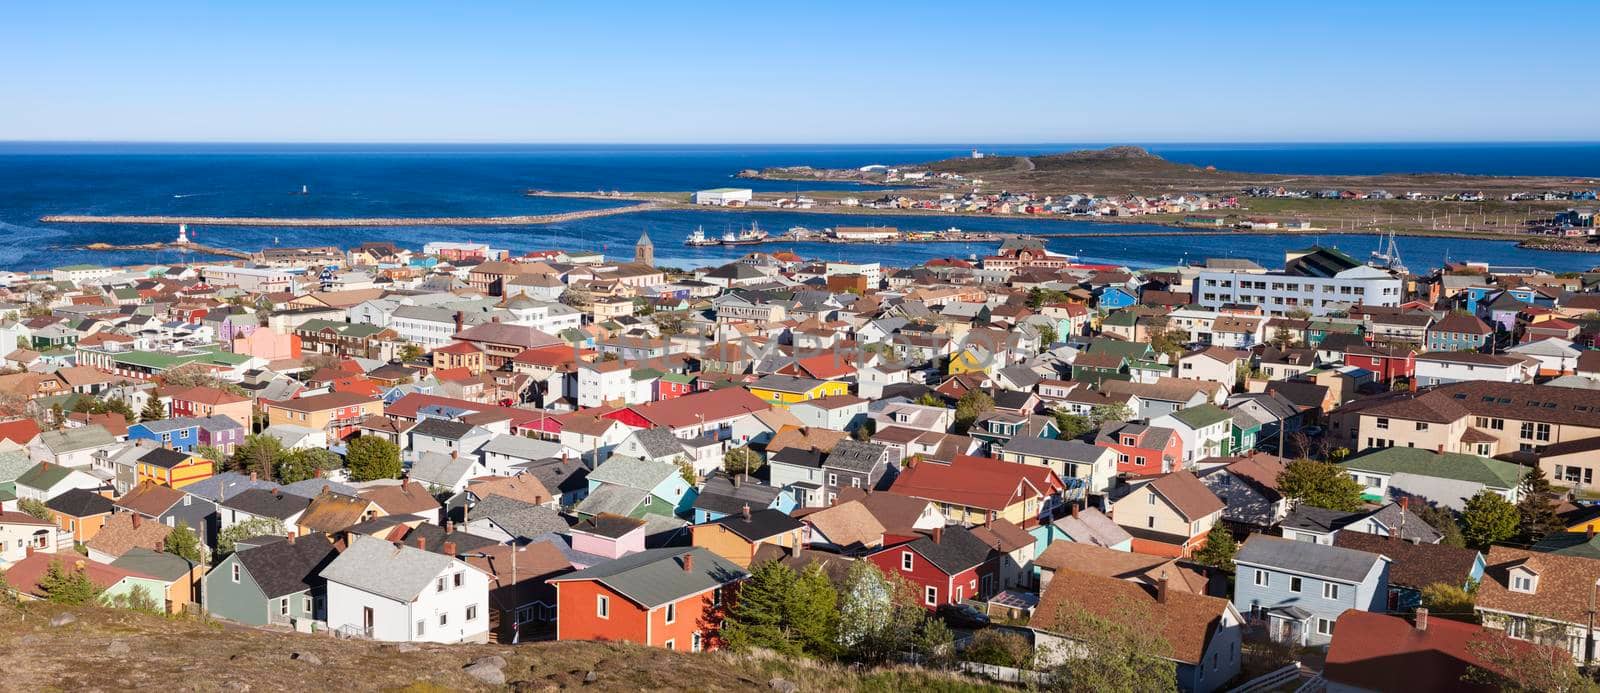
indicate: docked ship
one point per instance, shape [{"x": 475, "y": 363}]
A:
[
  {"x": 750, "y": 236},
  {"x": 698, "y": 238}
]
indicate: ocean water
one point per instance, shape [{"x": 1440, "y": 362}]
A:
[{"x": 489, "y": 180}]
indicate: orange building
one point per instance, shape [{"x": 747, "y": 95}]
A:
[
  {"x": 672, "y": 598},
  {"x": 337, "y": 413},
  {"x": 459, "y": 355},
  {"x": 173, "y": 468},
  {"x": 81, "y": 512},
  {"x": 737, "y": 537}
]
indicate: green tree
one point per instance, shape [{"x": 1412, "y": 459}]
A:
[
  {"x": 118, "y": 406},
  {"x": 1536, "y": 510},
  {"x": 153, "y": 410},
  {"x": 1219, "y": 549},
  {"x": 1514, "y": 666},
  {"x": 57, "y": 416},
  {"x": 1047, "y": 334},
  {"x": 1071, "y": 425},
  {"x": 779, "y": 610},
  {"x": 1444, "y": 520},
  {"x": 1449, "y": 601},
  {"x": 1109, "y": 413},
  {"x": 972, "y": 405},
  {"x": 214, "y": 454},
  {"x": 934, "y": 641},
  {"x": 741, "y": 460},
  {"x": 1116, "y": 656},
  {"x": 260, "y": 454},
  {"x": 1320, "y": 485},
  {"x": 36, "y": 508},
  {"x": 930, "y": 399},
  {"x": 306, "y": 463},
  {"x": 1000, "y": 648},
  {"x": 62, "y": 586},
  {"x": 409, "y": 352},
  {"x": 256, "y": 527},
  {"x": 686, "y": 470},
  {"x": 1488, "y": 518},
  {"x": 371, "y": 457},
  {"x": 181, "y": 541}
]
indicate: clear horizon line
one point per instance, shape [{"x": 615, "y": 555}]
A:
[{"x": 853, "y": 143}]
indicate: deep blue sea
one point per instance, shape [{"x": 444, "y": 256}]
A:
[{"x": 488, "y": 180}]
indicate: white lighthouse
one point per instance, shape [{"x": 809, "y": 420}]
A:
[{"x": 183, "y": 234}]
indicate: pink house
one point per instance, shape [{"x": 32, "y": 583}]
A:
[
  {"x": 267, "y": 343},
  {"x": 608, "y": 535}
]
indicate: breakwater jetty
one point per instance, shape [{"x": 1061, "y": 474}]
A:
[
  {"x": 518, "y": 220},
  {"x": 190, "y": 247}
]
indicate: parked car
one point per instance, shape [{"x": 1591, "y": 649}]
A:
[{"x": 963, "y": 616}]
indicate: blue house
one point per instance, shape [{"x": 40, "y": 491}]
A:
[
  {"x": 1298, "y": 588},
  {"x": 181, "y": 434},
  {"x": 633, "y": 487},
  {"x": 1109, "y": 298},
  {"x": 1413, "y": 565},
  {"x": 721, "y": 496}
]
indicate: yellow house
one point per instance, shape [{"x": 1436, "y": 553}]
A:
[
  {"x": 172, "y": 468},
  {"x": 737, "y": 537},
  {"x": 971, "y": 360},
  {"x": 782, "y": 390}
]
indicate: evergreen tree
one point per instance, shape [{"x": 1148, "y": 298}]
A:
[
  {"x": 181, "y": 541},
  {"x": 972, "y": 405},
  {"x": 1444, "y": 521},
  {"x": 153, "y": 410},
  {"x": 1219, "y": 549},
  {"x": 757, "y": 618},
  {"x": 935, "y": 642},
  {"x": 741, "y": 460},
  {"x": 1071, "y": 425},
  {"x": 1488, "y": 518},
  {"x": 62, "y": 586},
  {"x": 260, "y": 454},
  {"x": 1320, "y": 485},
  {"x": 37, "y": 509},
  {"x": 1536, "y": 511},
  {"x": 306, "y": 463},
  {"x": 371, "y": 457},
  {"x": 813, "y": 613}
]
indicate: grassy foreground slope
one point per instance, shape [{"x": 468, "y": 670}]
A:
[{"x": 107, "y": 650}]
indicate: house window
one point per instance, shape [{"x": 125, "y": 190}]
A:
[
  {"x": 1522, "y": 583},
  {"x": 283, "y": 606},
  {"x": 602, "y": 606},
  {"x": 1151, "y": 497},
  {"x": 1517, "y": 628},
  {"x": 833, "y": 479},
  {"x": 422, "y": 627},
  {"x": 1150, "y": 522},
  {"x": 525, "y": 614},
  {"x": 1294, "y": 584},
  {"x": 694, "y": 643},
  {"x": 444, "y": 618},
  {"x": 439, "y": 585},
  {"x": 1324, "y": 627},
  {"x": 930, "y": 595},
  {"x": 472, "y": 612},
  {"x": 672, "y": 613},
  {"x": 670, "y": 644},
  {"x": 309, "y": 605},
  {"x": 1139, "y": 460},
  {"x": 905, "y": 560},
  {"x": 855, "y": 482},
  {"x": 1262, "y": 580},
  {"x": 1422, "y": 426},
  {"x": 1330, "y": 591},
  {"x": 1383, "y": 423},
  {"x": 236, "y": 572},
  {"x": 458, "y": 579}
]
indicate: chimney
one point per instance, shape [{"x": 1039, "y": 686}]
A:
[
  {"x": 450, "y": 527},
  {"x": 538, "y": 499},
  {"x": 253, "y": 476},
  {"x": 44, "y": 466},
  {"x": 745, "y": 512},
  {"x": 137, "y": 520},
  {"x": 1422, "y": 618},
  {"x": 688, "y": 562},
  {"x": 1589, "y": 531},
  {"x": 938, "y": 534},
  {"x": 291, "y": 537},
  {"x": 459, "y": 318},
  {"x": 1161, "y": 587},
  {"x": 422, "y": 543},
  {"x": 449, "y": 548},
  {"x": 564, "y": 457},
  {"x": 1074, "y": 509},
  {"x": 736, "y": 481},
  {"x": 1405, "y": 502},
  {"x": 30, "y": 550}
]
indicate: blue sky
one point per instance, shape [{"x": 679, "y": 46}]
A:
[{"x": 528, "y": 71}]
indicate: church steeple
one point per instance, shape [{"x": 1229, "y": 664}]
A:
[{"x": 644, "y": 252}]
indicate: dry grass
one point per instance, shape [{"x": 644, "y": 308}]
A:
[{"x": 196, "y": 655}]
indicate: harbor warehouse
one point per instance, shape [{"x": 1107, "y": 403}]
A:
[{"x": 723, "y": 197}]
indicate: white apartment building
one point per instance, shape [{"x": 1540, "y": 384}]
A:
[
  {"x": 253, "y": 279},
  {"x": 1316, "y": 280}
]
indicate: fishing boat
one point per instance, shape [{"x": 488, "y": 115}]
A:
[
  {"x": 1388, "y": 255},
  {"x": 750, "y": 236},
  {"x": 698, "y": 238}
]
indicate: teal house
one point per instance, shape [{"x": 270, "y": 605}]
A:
[{"x": 275, "y": 583}]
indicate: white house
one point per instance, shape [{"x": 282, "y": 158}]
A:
[
  {"x": 837, "y": 413},
  {"x": 1206, "y": 431},
  {"x": 1438, "y": 368},
  {"x": 1214, "y": 364},
  {"x": 396, "y": 593},
  {"x": 46, "y": 480},
  {"x": 606, "y": 381},
  {"x": 1555, "y": 356},
  {"x": 20, "y": 532}
]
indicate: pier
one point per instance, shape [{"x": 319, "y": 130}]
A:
[
  {"x": 519, "y": 220},
  {"x": 187, "y": 246}
]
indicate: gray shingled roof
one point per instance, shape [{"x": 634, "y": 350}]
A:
[
  {"x": 439, "y": 468},
  {"x": 389, "y": 570},
  {"x": 855, "y": 456},
  {"x": 1304, "y": 557},
  {"x": 658, "y": 576},
  {"x": 632, "y": 472},
  {"x": 1070, "y": 450},
  {"x": 522, "y": 447},
  {"x": 614, "y": 499},
  {"x": 659, "y": 442},
  {"x": 284, "y": 567},
  {"x": 518, "y": 518}
]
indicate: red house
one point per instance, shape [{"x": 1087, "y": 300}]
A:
[
  {"x": 672, "y": 598},
  {"x": 947, "y": 565},
  {"x": 1142, "y": 450},
  {"x": 1386, "y": 363},
  {"x": 673, "y": 386},
  {"x": 695, "y": 414}
]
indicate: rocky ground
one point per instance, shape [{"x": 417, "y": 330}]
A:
[{"x": 49, "y": 648}]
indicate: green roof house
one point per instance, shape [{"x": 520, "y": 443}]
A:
[{"x": 1446, "y": 478}]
